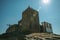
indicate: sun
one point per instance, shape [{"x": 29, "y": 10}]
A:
[{"x": 46, "y": 1}]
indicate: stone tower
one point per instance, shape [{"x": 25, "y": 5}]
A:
[
  {"x": 47, "y": 28},
  {"x": 30, "y": 20}
]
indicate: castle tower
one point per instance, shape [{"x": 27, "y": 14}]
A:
[
  {"x": 30, "y": 20},
  {"x": 47, "y": 28}
]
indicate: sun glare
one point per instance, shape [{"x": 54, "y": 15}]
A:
[{"x": 46, "y": 1}]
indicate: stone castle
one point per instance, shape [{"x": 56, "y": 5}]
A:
[{"x": 30, "y": 22}]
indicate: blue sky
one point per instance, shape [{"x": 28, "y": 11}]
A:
[{"x": 11, "y": 12}]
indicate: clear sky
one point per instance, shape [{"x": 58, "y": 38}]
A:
[{"x": 11, "y": 12}]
